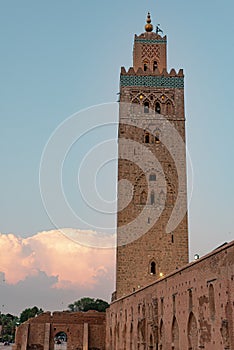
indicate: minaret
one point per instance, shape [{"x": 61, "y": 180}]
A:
[{"x": 152, "y": 231}]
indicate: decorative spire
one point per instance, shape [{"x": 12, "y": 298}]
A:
[{"x": 148, "y": 27}]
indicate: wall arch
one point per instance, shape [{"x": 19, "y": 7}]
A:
[
  {"x": 192, "y": 332},
  {"x": 212, "y": 301},
  {"x": 161, "y": 336},
  {"x": 60, "y": 341},
  {"x": 175, "y": 334},
  {"x": 169, "y": 108},
  {"x": 131, "y": 337},
  {"x": 151, "y": 342}
]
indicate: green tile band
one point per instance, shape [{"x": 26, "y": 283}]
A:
[
  {"x": 151, "y": 41},
  {"x": 154, "y": 81}
]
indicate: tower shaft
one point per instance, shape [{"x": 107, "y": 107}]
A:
[{"x": 152, "y": 230}]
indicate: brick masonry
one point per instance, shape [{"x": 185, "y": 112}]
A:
[
  {"x": 191, "y": 308},
  {"x": 151, "y": 133},
  {"x": 83, "y": 330}
]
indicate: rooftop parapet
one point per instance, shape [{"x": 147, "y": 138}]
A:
[{"x": 152, "y": 78}]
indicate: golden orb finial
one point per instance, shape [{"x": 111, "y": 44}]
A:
[{"x": 148, "y": 27}]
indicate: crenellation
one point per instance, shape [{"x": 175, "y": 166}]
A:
[{"x": 140, "y": 72}]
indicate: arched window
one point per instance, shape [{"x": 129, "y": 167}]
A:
[
  {"x": 152, "y": 177},
  {"x": 153, "y": 268},
  {"x": 169, "y": 109},
  {"x": 152, "y": 199},
  {"x": 146, "y": 107},
  {"x": 157, "y": 108},
  {"x": 143, "y": 197},
  {"x": 147, "y": 137},
  {"x": 145, "y": 65},
  {"x": 155, "y": 66},
  {"x": 157, "y": 140}
]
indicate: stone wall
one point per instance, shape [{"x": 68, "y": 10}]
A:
[
  {"x": 191, "y": 308},
  {"x": 39, "y": 332}
]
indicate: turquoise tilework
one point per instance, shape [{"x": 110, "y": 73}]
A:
[
  {"x": 154, "y": 81},
  {"x": 151, "y": 41}
]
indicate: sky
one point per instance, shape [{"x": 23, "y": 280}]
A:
[{"x": 61, "y": 59}]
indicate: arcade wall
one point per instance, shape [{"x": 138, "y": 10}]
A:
[{"x": 192, "y": 308}]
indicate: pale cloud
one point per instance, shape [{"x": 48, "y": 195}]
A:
[
  {"x": 53, "y": 253},
  {"x": 16, "y": 258}
]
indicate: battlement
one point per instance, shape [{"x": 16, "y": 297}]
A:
[
  {"x": 150, "y": 38},
  {"x": 131, "y": 71}
]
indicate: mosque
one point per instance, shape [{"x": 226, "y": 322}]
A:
[{"x": 161, "y": 300}]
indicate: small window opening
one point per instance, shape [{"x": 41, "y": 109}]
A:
[
  {"x": 155, "y": 66},
  {"x": 152, "y": 177},
  {"x": 145, "y": 67},
  {"x": 147, "y": 138},
  {"x": 157, "y": 139},
  {"x": 157, "y": 108},
  {"x": 172, "y": 238},
  {"x": 152, "y": 268},
  {"x": 152, "y": 200},
  {"x": 146, "y": 107}
]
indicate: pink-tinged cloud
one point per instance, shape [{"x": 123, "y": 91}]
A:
[{"x": 75, "y": 266}]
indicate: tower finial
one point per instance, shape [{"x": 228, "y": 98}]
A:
[{"x": 148, "y": 27}]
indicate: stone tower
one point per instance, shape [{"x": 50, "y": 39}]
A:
[{"x": 152, "y": 230}]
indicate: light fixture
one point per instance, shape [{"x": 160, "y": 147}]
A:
[
  {"x": 196, "y": 257},
  {"x": 141, "y": 96},
  {"x": 161, "y": 274}
]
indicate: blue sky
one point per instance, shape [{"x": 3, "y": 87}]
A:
[{"x": 60, "y": 57}]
